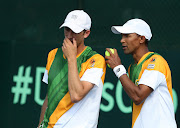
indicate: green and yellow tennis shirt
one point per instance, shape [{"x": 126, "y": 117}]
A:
[
  {"x": 157, "y": 111},
  {"x": 61, "y": 112}
]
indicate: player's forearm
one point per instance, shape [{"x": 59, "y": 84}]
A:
[
  {"x": 74, "y": 83},
  {"x": 43, "y": 110},
  {"x": 131, "y": 89}
]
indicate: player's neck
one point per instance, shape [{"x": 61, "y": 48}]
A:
[
  {"x": 80, "y": 48},
  {"x": 139, "y": 54}
]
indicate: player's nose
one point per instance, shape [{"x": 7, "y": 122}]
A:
[{"x": 69, "y": 34}]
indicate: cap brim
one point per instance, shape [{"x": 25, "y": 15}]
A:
[
  {"x": 120, "y": 29},
  {"x": 72, "y": 26}
]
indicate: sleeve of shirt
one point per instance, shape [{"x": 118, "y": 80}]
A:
[
  {"x": 154, "y": 73},
  {"x": 95, "y": 70},
  {"x": 152, "y": 78}
]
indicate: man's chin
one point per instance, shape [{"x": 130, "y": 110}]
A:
[{"x": 126, "y": 52}]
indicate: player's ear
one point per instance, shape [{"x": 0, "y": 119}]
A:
[
  {"x": 142, "y": 39},
  {"x": 86, "y": 33}
]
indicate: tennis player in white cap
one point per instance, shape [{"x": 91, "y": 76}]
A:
[
  {"x": 149, "y": 84},
  {"x": 75, "y": 76}
]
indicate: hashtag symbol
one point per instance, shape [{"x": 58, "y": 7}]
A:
[{"x": 22, "y": 83}]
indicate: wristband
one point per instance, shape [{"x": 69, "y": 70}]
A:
[{"x": 119, "y": 70}]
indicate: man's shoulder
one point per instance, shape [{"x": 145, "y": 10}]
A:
[
  {"x": 157, "y": 58},
  {"x": 157, "y": 62},
  {"x": 98, "y": 57},
  {"x": 96, "y": 61},
  {"x": 51, "y": 54},
  {"x": 90, "y": 53},
  {"x": 53, "y": 51}
]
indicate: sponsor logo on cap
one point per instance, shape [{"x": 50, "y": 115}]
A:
[{"x": 74, "y": 17}]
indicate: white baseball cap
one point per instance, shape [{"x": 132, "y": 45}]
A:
[
  {"x": 137, "y": 26},
  {"x": 77, "y": 21}
]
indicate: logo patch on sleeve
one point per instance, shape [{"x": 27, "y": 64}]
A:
[
  {"x": 92, "y": 63},
  {"x": 151, "y": 66},
  {"x": 153, "y": 59}
]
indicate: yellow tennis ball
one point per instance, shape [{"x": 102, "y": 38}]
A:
[{"x": 108, "y": 54}]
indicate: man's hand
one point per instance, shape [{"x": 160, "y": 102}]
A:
[
  {"x": 69, "y": 48},
  {"x": 113, "y": 60}
]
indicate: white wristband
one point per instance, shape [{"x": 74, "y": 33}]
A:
[{"x": 119, "y": 70}]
